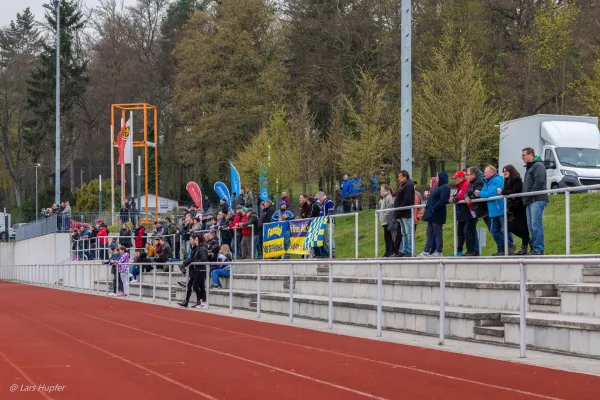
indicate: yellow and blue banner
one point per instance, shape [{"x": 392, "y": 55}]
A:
[
  {"x": 298, "y": 231},
  {"x": 315, "y": 236},
  {"x": 274, "y": 239}
]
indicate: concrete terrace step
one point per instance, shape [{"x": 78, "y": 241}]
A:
[
  {"x": 557, "y": 332},
  {"x": 581, "y": 299},
  {"x": 545, "y": 304},
  {"x": 591, "y": 274},
  {"x": 489, "y": 333}
]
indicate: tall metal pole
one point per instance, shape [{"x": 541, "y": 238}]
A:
[
  {"x": 139, "y": 186},
  {"x": 37, "y": 210},
  {"x": 57, "y": 161},
  {"x": 406, "y": 88},
  {"x": 100, "y": 197},
  {"x": 132, "y": 166}
]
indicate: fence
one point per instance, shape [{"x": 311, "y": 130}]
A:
[
  {"x": 66, "y": 276},
  {"x": 91, "y": 249},
  {"x": 567, "y": 192},
  {"x": 45, "y": 226}
]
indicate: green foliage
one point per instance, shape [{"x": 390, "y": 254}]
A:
[
  {"x": 554, "y": 29},
  {"x": 452, "y": 106},
  {"x": 88, "y": 195}
]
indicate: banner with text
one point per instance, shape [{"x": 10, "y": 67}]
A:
[
  {"x": 298, "y": 232},
  {"x": 274, "y": 238}
]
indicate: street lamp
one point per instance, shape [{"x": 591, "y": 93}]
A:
[
  {"x": 55, "y": 6},
  {"x": 37, "y": 213}
]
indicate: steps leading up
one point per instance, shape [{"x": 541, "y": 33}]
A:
[
  {"x": 591, "y": 274},
  {"x": 544, "y": 304}
]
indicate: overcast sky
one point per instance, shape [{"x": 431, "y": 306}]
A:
[{"x": 10, "y": 8}]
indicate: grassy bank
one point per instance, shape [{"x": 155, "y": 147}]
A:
[{"x": 585, "y": 230}]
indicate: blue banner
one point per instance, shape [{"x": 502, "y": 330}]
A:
[
  {"x": 276, "y": 239},
  {"x": 263, "y": 182},
  {"x": 352, "y": 187},
  {"x": 236, "y": 185},
  {"x": 375, "y": 184},
  {"x": 223, "y": 192}
]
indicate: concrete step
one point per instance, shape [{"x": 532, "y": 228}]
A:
[
  {"x": 556, "y": 332},
  {"x": 591, "y": 274},
  {"x": 544, "y": 304},
  {"x": 581, "y": 299},
  {"x": 489, "y": 333}
]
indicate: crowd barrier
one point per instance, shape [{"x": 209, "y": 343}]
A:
[{"x": 66, "y": 277}]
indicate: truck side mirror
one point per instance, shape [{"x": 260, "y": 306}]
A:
[{"x": 550, "y": 164}]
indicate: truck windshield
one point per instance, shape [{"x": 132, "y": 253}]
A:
[{"x": 579, "y": 157}]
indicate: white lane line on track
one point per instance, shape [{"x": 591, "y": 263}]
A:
[
  {"x": 186, "y": 387},
  {"x": 24, "y": 375},
  {"x": 455, "y": 378}
]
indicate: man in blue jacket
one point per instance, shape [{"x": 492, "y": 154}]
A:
[{"x": 492, "y": 183}]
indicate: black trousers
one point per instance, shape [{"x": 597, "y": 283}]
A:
[
  {"x": 197, "y": 283},
  {"x": 389, "y": 242}
]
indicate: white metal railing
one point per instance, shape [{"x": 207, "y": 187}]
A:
[
  {"x": 65, "y": 276},
  {"x": 567, "y": 191}
]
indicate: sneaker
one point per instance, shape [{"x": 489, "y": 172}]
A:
[
  {"x": 511, "y": 249},
  {"x": 133, "y": 281},
  {"x": 183, "y": 304},
  {"x": 498, "y": 254},
  {"x": 472, "y": 254},
  {"x": 522, "y": 252},
  {"x": 536, "y": 253},
  {"x": 202, "y": 305},
  {"x": 437, "y": 254},
  {"x": 406, "y": 255},
  {"x": 215, "y": 287},
  {"x": 458, "y": 254},
  {"x": 424, "y": 254},
  {"x": 112, "y": 294}
]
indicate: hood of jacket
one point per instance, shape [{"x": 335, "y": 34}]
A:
[{"x": 443, "y": 178}]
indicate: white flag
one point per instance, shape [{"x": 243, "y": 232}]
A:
[{"x": 129, "y": 143}]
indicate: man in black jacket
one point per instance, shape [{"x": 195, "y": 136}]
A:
[
  {"x": 535, "y": 180},
  {"x": 197, "y": 274},
  {"x": 404, "y": 198}
]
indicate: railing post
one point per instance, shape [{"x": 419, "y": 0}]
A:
[
  {"x": 355, "y": 234},
  {"x": 75, "y": 268},
  {"x": 206, "y": 284},
  {"x": 91, "y": 278},
  {"x": 234, "y": 243},
  {"x": 522, "y": 311},
  {"x": 258, "y": 291},
  {"x": 168, "y": 282},
  {"x": 376, "y": 234},
  {"x": 230, "y": 289},
  {"x": 379, "y": 299},
  {"x": 505, "y": 227},
  {"x": 442, "y": 303},
  {"x": 141, "y": 279},
  {"x": 154, "y": 281},
  {"x": 455, "y": 234},
  {"x": 412, "y": 230},
  {"x": 568, "y": 222},
  {"x": 252, "y": 242},
  {"x": 291, "y": 293},
  {"x": 107, "y": 277}
]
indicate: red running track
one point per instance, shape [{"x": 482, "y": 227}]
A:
[{"x": 106, "y": 348}]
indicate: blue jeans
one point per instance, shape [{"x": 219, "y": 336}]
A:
[
  {"x": 134, "y": 270},
  {"x": 217, "y": 273},
  {"x": 535, "y": 214},
  {"x": 257, "y": 246},
  {"x": 496, "y": 227},
  {"x": 405, "y": 230}
]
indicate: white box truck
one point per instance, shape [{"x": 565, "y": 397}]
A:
[
  {"x": 3, "y": 226},
  {"x": 569, "y": 146}
]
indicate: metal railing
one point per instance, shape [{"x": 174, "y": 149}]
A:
[
  {"x": 66, "y": 276},
  {"x": 567, "y": 191},
  {"x": 42, "y": 227}
]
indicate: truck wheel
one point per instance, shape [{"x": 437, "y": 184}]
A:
[
  {"x": 2, "y": 236},
  {"x": 554, "y": 186}
]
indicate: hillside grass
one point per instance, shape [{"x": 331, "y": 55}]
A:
[{"x": 585, "y": 230}]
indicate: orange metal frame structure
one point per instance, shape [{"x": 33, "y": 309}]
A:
[{"x": 146, "y": 108}]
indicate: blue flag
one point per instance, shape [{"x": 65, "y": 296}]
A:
[
  {"x": 236, "y": 185},
  {"x": 263, "y": 182},
  {"x": 223, "y": 192}
]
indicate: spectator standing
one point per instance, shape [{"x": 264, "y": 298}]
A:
[
  {"x": 124, "y": 213},
  {"x": 435, "y": 215},
  {"x": 205, "y": 205},
  {"x": 285, "y": 198},
  {"x": 535, "y": 180},
  {"x": 386, "y": 218},
  {"x": 404, "y": 198},
  {"x": 517, "y": 215},
  {"x": 248, "y": 198},
  {"x": 197, "y": 275},
  {"x": 346, "y": 202},
  {"x": 223, "y": 207},
  {"x": 235, "y": 201},
  {"x": 304, "y": 207},
  {"x": 249, "y": 226},
  {"x": 283, "y": 214},
  {"x": 66, "y": 213},
  {"x": 123, "y": 271},
  {"x": 465, "y": 218},
  {"x": 125, "y": 236},
  {"x": 476, "y": 181},
  {"x": 327, "y": 209},
  {"x": 494, "y": 182},
  {"x": 140, "y": 240}
]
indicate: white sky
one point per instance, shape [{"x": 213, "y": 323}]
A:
[{"x": 10, "y": 8}]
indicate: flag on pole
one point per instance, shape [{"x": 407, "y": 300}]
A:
[{"x": 125, "y": 143}]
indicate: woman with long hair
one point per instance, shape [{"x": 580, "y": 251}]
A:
[{"x": 517, "y": 216}]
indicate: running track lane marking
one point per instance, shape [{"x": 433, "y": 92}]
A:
[
  {"x": 20, "y": 371},
  {"x": 206, "y": 396},
  {"x": 271, "y": 367},
  {"x": 455, "y": 378}
]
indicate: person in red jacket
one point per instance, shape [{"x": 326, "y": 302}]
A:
[
  {"x": 102, "y": 238},
  {"x": 466, "y": 228},
  {"x": 237, "y": 220},
  {"x": 139, "y": 236}
]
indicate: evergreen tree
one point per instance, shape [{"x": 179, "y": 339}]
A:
[{"x": 73, "y": 81}]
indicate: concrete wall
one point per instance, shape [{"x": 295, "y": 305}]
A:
[{"x": 47, "y": 249}]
